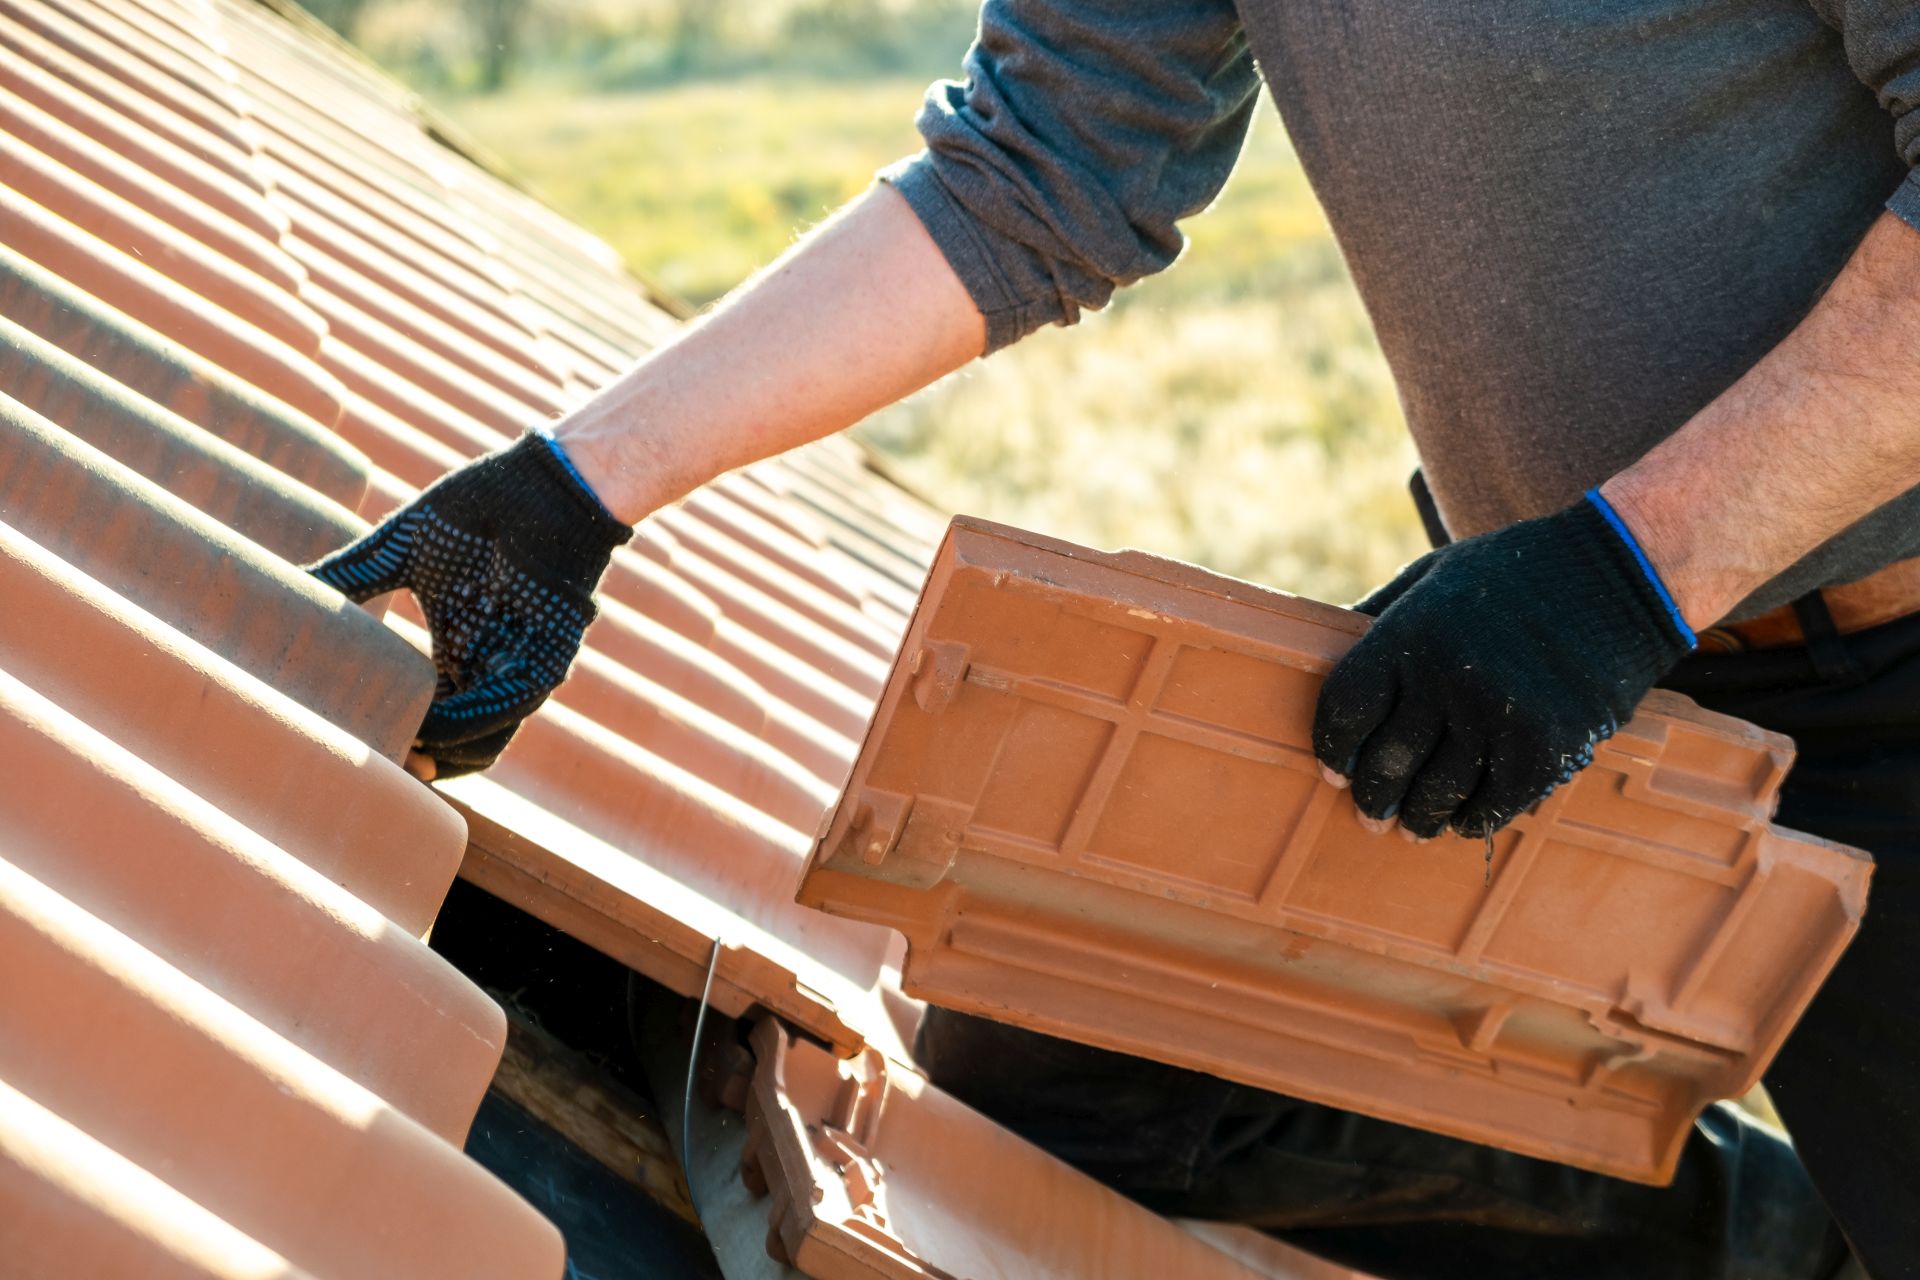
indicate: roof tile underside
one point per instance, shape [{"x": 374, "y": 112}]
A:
[{"x": 1090, "y": 801}]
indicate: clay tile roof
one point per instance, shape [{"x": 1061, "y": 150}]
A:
[{"x": 249, "y": 302}]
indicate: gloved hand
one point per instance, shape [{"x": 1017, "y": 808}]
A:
[
  {"x": 503, "y": 556},
  {"x": 1494, "y": 667}
]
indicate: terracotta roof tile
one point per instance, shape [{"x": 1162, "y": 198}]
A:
[
  {"x": 202, "y": 324},
  {"x": 255, "y": 609},
  {"x": 1090, "y": 802},
  {"x": 304, "y": 957},
  {"x": 231, "y": 257},
  {"x": 83, "y": 105},
  {"x": 96, "y": 1213},
  {"x": 213, "y": 398},
  {"x": 127, "y": 1048},
  {"x": 475, "y": 345},
  {"x": 873, "y": 1174},
  {"x": 246, "y": 302},
  {"x": 240, "y": 491},
  {"x": 131, "y": 58},
  {"x": 64, "y": 158},
  {"x": 289, "y": 775},
  {"x": 103, "y": 75}
]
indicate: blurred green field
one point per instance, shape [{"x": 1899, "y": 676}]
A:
[{"x": 1233, "y": 411}]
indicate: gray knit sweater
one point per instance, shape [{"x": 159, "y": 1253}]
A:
[{"x": 1574, "y": 222}]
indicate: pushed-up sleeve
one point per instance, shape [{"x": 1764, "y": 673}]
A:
[
  {"x": 1882, "y": 39},
  {"x": 1083, "y": 132}
]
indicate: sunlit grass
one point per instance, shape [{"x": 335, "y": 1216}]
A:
[{"x": 1234, "y": 411}]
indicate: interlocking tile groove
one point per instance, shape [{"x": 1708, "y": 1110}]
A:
[
  {"x": 811, "y": 594},
  {"x": 361, "y": 247},
  {"x": 246, "y": 604},
  {"x": 1089, "y": 800},
  {"x": 157, "y": 37},
  {"x": 279, "y": 1145},
  {"x": 133, "y": 67},
  {"x": 387, "y": 272},
  {"x": 761, "y": 490},
  {"x": 804, "y": 752},
  {"x": 368, "y": 381},
  {"x": 302, "y": 783},
  {"x": 899, "y": 552},
  {"x": 298, "y": 135},
  {"x": 654, "y": 717},
  {"x": 128, "y": 135},
  {"x": 651, "y": 587},
  {"x": 99, "y": 76},
  {"x": 801, "y": 547},
  {"x": 235, "y": 488},
  {"x": 476, "y": 352},
  {"x": 71, "y": 1206},
  {"x": 200, "y": 324},
  {"x": 132, "y": 178},
  {"x": 207, "y": 394},
  {"x": 859, "y": 666},
  {"x": 480, "y": 398},
  {"x": 340, "y": 215},
  {"x": 873, "y": 1174},
  {"x": 237, "y": 287},
  {"x": 413, "y": 458},
  {"x": 164, "y": 45}
]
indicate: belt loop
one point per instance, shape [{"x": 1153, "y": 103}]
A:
[{"x": 1826, "y": 650}]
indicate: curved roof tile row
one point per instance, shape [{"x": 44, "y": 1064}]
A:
[{"x": 247, "y": 304}]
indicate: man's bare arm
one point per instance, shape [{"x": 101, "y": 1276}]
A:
[
  {"x": 504, "y": 553},
  {"x": 1822, "y": 431},
  {"x": 861, "y": 312}
]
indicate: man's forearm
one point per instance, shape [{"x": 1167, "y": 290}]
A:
[
  {"x": 861, "y": 312},
  {"x": 1822, "y": 431}
]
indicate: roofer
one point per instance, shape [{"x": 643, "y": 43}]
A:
[{"x": 1648, "y": 277}]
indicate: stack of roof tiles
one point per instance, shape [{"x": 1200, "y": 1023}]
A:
[{"x": 248, "y": 303}]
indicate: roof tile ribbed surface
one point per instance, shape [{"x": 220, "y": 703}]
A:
[{"x": 247, "y": 304}]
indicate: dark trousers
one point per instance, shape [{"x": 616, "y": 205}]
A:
[{"x": 1408, "y": 1205}]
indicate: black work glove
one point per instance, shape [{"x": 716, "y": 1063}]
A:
[
  {"x": 503, "y": 556},
  {"x": 1494, "y": 667}
]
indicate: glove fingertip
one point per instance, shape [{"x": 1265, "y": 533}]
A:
[
  {"x": 1476, "y": 820},
  {"x": 1356, "y": 699},
  {"x": 458, "y": 760},
  {"x": 1377, "y": 601},
  {"x": 486, "y": 708},
  {"x": 367, "y": 568}
]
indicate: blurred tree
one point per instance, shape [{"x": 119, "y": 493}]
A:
[
  {"x": 497, "y": 27},
  {"x": 342, "y": 15},
  {"x": 696, "y": 23}
]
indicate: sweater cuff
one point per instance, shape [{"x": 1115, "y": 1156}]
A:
[
  {"x": 967, "y": 246},
  {"x": 1904, "y": 203}
]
